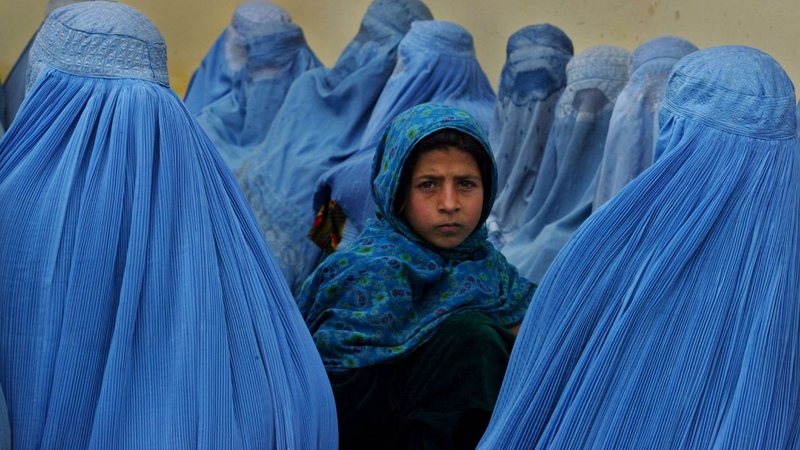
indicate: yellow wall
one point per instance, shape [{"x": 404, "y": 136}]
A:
[{"x": 190, "y": 26}]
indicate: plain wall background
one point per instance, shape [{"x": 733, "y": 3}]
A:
[{"x": 191, "y": 26}]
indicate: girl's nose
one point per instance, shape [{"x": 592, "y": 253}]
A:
[{"x": 448, "y": 199}]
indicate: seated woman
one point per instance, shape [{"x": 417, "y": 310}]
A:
[{"x": 412, "y": 319}]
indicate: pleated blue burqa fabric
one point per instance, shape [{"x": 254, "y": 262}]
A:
[
  {"x": 140, "y": 307},
  {"x": 633, "y": 127},
  {"x": 320, "y": 123},
  {"x": 563, "y": 192},
  {"x": 276, "y": 54},
  {"x": 221, "y": 70},
  {"x": 436, "y": 63},
  {"x": 14, "y": 84},
  {"x": 531, "y": 83},
  {"x": 672, "y": 319}
]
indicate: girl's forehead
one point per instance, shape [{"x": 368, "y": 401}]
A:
[{"x": 444, "y": 155}]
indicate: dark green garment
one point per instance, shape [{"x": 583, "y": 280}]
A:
[{"x": 439, "y": 397}]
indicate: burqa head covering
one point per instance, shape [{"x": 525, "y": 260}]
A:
[
  {"x": 14, "y": 85},
  {"x": 385, "y": 294},
  {"x": 531, "y": 83},
  {"x": 436, "y": 63},
  {"x": 671, "y": 319},
  {"x": 562, "y": 195},
  {"x": 221, "y": 69},
  {"x": 634, "y": 122},
  {"x": 321, "y": 123},
  {"x": 275, "y": 55},
  {"x": 140, "y": 307}
]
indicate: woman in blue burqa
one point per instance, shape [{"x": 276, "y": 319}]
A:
[
  {"x": 412, "y": 319},
  {"x": 671, "y": 320},
  {"x": 273, "y": 55},
  {"x": 140, "y": 306},
  {"x": 561, "y": 195},
  {"x": 532, "y": 80},
  {"x": 222, "y": 68}
]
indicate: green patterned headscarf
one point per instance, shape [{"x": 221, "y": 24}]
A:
[{"x": 389, "y": 291}]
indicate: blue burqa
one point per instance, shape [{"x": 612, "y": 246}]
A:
[
  {"x": 140, "y": 307},
  {"x": 221, "y": 69},
  {"x": 634, "y": 122},
  {"x": 436, "y": 63},
  {"x": 531, "y": 83},
  {"x": 321, "y": 123},
  {"x": 275, "y": 55},
  {"x": 562, "y": 195},
  {"x": 671, "y": 320}
]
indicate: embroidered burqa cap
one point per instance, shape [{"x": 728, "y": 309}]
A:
[
  {"x": 140, "y": 306},
  {"x": 671, "y": 318}
]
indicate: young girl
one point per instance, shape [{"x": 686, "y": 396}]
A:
[{"x": 412, "y": 320}]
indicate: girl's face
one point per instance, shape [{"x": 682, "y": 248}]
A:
[{"x": 445, "y": 198}]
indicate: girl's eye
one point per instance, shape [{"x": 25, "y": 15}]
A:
[
  {"x": 425, "y": 185},
  {"x": 467, "y": 184}
]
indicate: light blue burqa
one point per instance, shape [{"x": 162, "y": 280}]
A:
[
  {"x": 436, "y": 63},
  {"x": 671, "y": 320},
  {"x": 634, "y": 122},
  {"x": 14, "y": 85},
  {"x": 276, "y": 54},
  {"x": 140, "y": 307},
  {"x": 221, "y": 70},
  {"x": 320, "y": 123},
  {"x": 562, "y": 195},
  {"x": 530, "y": 85}
]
